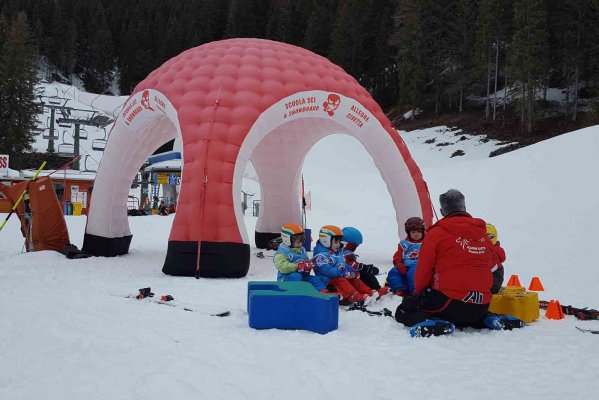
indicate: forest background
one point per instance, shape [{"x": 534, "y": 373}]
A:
[{"x": 483, "y": 65}]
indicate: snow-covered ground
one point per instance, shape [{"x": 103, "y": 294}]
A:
[{"x": 68, "y": 332}]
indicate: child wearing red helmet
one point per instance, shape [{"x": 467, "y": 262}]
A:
[{"x": 401, "y": 278}]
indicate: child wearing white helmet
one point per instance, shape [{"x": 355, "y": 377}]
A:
[{"x": 291, "y": 259}]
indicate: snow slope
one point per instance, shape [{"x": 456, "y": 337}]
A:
[{"x": 68, "y": 332}]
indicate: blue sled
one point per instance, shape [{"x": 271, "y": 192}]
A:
[{"x": 291, "y": 305}]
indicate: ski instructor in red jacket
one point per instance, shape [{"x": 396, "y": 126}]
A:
[{"x": 453, "y": 276}]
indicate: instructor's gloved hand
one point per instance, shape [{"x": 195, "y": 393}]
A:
[
  {"x": 368, "y": 269},
  {"x": 305, "y": 266}
]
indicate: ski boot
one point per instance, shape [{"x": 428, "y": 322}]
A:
[
  {"x": 503, "y": 322},
  {"x": 432, "y": 327}
]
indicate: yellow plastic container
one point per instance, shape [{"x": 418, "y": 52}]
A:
[
  {"x": 516, "y": 301},
  {"x": 77, "y": 208}
]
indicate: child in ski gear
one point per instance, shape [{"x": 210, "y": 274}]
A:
[
  {"x": 162, "y": 210},
  {"x": 291, "y": 259},
  {"x": 498, "y": 258},
  {"x": 401, "y": 278},
  {"x": 352, "y": 238},
  {"x": 330, "y": 266},
  {"x": 453, "y": 278}
]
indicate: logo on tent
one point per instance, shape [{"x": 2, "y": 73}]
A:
[{"x": 331, "y": 104}]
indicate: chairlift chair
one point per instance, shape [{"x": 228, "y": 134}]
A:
[
  {"x": 54, "y": 100},
  {"x": 65, "y": 149},
  {"x": 37, "y": 131},
  {"x": 65, "y": 125},
  {"x": 47, "y": 134},
  {"x": 82, "y": 134},
  {"x": 100, "y": 144},
  {"x": 85, "y": 168}
]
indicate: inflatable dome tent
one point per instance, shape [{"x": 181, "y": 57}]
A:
[{"x": 231, "y": 102}]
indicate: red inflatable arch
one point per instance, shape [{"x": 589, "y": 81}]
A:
[{"x": 235, "y": 101}]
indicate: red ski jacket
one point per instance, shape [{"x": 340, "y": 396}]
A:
[
  {"x": 455, "y": 259},
  {"x": 497, "y": 257}
]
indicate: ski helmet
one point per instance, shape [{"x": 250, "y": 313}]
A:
[
  {"x": 352, "y": 235},
  {"x": 492, "y": 233},
  {"x": 414, "y": 224},
  {"x": 290, "y": 230},
  {"x": 328, "y": 232}
]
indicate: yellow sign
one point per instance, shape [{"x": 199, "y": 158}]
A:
[{"x": 163, "y": 177}]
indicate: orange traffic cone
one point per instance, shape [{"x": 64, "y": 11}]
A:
[
  {"x": 554, "y": 310},
  {"x": 536, "y": 285},
  {"x": 514, "y": 281}
]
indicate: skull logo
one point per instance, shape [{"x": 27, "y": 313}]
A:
[
  {"x": 145, "y": 100},
  {"x": 331, "y": 104}
]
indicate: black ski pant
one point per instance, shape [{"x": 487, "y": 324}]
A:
[
  {"x": 370, "y": 280},
  {"x": 432, "y": 304}
]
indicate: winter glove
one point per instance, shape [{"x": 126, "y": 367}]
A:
[
  {"x": 350, "y": 274},
  {"x": 368, "y": 269},
  {"x": 305, "y": 266}
]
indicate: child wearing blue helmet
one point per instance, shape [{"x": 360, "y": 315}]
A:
[{"x": 352, "y": 238}]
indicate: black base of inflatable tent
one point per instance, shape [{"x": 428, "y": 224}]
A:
[
  {"x": 217, "y": 259},
  {"x": 262, "y": 238},
  {"x": 106, "y": 247}
]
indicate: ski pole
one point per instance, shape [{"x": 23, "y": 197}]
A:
[{"x": 21, "y": 197}]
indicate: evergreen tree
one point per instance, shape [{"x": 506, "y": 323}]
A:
[
  {"x": 62, "y": 41},
  {"x": 208, "y": 22},
  {"x": 529, "y": 50},
  {"x": 464, "y": 77},
  {"x": 494, "y": 31},
  {"x": 439, "y": 45},
  {"x": 319, "y": 27},
  {"x": 243, "y": 19},
  {"x": 96, "y": 59},
  {"x": 279, "y": 26},
  {"x": 18, "y": 106},
  {"x": 409, "y": 41}
]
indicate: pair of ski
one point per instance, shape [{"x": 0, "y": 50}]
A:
[
  {"x": 426, "y": 328},
  {"x": 146, "y": 294},
  {"x": 596, "y": 332},
  {"x": 582, "y": 314}
]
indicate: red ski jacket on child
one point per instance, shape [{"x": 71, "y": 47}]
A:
[
  {"x": 497, "y": 257},
  {"x": 455, "y": 259}
]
